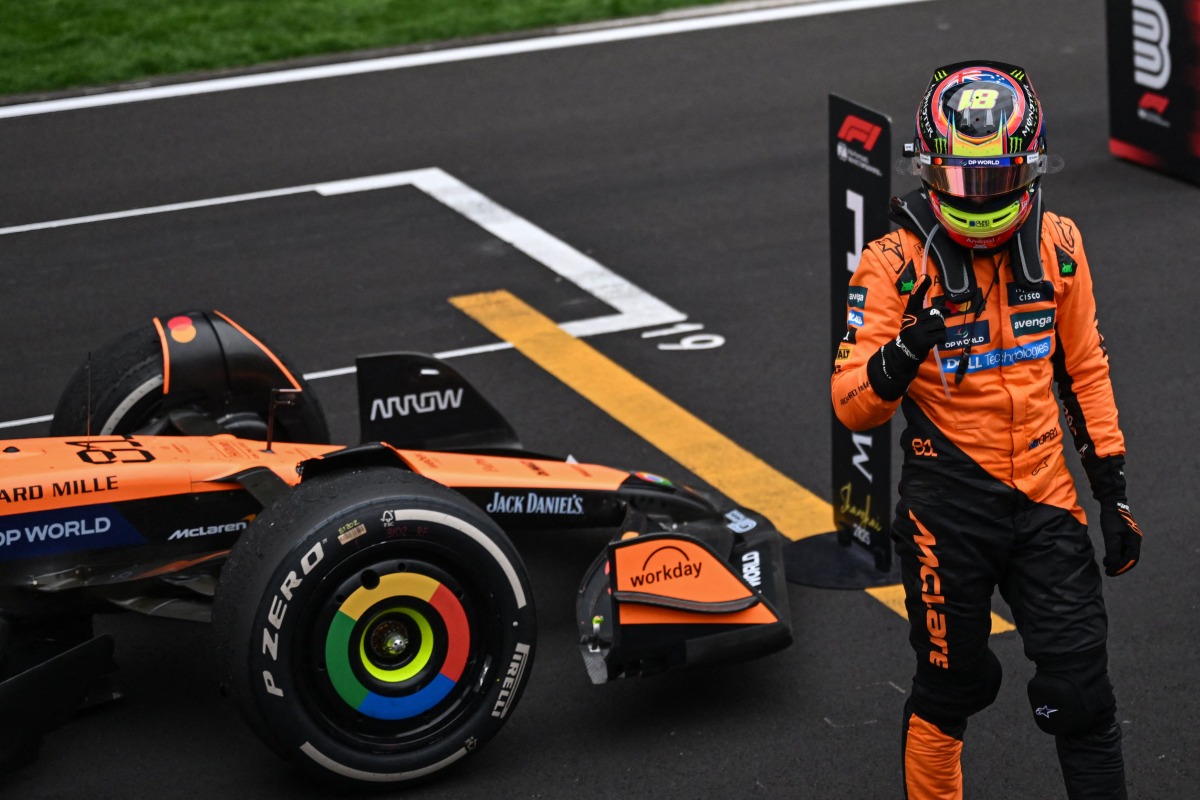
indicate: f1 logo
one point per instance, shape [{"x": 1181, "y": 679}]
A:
[
  {"x": 1154, "y": 102},
  {"x": 856, "y": 129},
  {"x": 1151, "y": 44}
]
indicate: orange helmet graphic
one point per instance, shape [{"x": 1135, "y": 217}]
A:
[{"x": 980, "y": 149}]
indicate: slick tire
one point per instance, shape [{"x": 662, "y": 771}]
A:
[
  {"x": 118, "y": 391},
  {"x": 374, "y": 627}
]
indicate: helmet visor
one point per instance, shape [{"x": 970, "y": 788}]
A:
[{"x": 980, "y": 176}]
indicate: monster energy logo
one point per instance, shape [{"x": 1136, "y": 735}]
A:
[
  {"x": 941, "y": 73},
  {"x": 939, "y": 144},
  {"x": 1014, "y": 144},
  {"x": 1019, "y": 74}
]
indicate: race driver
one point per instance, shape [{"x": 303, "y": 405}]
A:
[{"x": 965, "y": 318}]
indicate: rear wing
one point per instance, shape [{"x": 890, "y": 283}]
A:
[{"x": 416, "y": 401}]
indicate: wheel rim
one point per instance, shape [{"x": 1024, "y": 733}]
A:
[{"x": 397, "y": 648}]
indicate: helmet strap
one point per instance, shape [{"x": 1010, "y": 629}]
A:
[
  {"x": 953, "y": 261},
  {"x": 1025, "y": 247}
]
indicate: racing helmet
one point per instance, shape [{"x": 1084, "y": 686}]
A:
[{"x": 980, "y": 150}]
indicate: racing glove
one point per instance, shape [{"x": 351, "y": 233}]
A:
[
  {"x": 1122, "y": 536},
  {"x": 895, "y": 364}
]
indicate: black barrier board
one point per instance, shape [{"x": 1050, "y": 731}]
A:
[
  {"x": 860, "y": 164},
  {"x": 1154, "y": 84}
]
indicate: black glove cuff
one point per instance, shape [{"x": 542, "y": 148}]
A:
[
  {"x": 1107, "y": 477},
  {"x": 890, "y": 372}
]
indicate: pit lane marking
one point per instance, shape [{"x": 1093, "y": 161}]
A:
[
  {"x": 892, "y": 596},
  {"x": 636, "y": 308},
  {"x": 698, "y": 447},
  {"x": 693, "y": 443}
]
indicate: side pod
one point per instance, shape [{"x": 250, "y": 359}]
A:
[{"x": 711, "y": 591}]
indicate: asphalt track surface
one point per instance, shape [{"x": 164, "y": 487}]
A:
[{"x": 694, "y": 166}]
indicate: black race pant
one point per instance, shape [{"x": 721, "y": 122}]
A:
[{"x": 956, "y": 545}]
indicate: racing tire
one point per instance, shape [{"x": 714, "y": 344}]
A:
[
  {"x": 118, "y": 391},
  {"x": 374, "y": 627}
]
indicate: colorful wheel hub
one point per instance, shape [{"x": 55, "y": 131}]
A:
[{"x": 386, "y": 634}]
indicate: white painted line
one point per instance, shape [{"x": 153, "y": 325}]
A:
[
  {"x": 330, "y": 373},
  {"x": 577, "y": 38},
  {"x": 141, "y": 212},
  {"x": 635, "y": 307},
  {"x": 17, "y": 423},
  {"x": 341, "y": 371}
]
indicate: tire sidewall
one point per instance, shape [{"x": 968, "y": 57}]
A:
[{"x": 419, "y": 525}]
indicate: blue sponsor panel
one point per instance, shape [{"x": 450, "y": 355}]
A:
[
  {"x": 959, "y": 336},
  {"x": 1000, "y": 358},
  {"x": 64, "y": 530}
]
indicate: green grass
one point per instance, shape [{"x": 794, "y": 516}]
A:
[{"x": 48, "y": 45}]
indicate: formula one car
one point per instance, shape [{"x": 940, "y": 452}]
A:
[{"x": 375, "y": 623}]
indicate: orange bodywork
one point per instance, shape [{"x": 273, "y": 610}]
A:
[
  {"x": 679, "y": 569},
  {"x": 469, "y": 469},
  {"x": 53, "y": 473}
]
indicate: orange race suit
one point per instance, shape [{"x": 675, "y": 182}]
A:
[
  {"x": 1002, "y": 417},
  {"x": 986, "y": 499}
]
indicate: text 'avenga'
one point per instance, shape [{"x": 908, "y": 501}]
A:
[{"x": 534, "y": 503}]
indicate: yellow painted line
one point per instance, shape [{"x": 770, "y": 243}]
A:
[
  {"x": 732, "y": 470},
  {"x": 893, "y": 597},
  {"x": 694, "y": 444}
]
